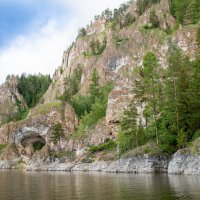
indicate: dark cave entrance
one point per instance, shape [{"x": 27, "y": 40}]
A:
[
  {"x": 36, "y": 141},
  {"x": 37, "y": 146}
]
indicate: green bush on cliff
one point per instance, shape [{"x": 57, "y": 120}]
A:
[
  {"x": 107, "y": 146},
  {"x": 97, "y": 47},
  {"x": 2, "y": 146},
  {"x": 186, "y": 11},
  {"x": 57, "y": 133},
  {"x": 93, "y": 108},
  {"x": 143, "y": 5},
  {"x": 72, "y": 84},
  {"x": 98, "y": 111}
]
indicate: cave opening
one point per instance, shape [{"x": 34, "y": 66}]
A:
[{"x": 36, "y": 141}]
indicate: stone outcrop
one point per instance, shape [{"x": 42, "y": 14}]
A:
[
  {"x": 144, "y": 164},
  {"x": 184, "y": 164},
  {"x": 10, "y": 100},
  {"x": 186, "y": 161}
]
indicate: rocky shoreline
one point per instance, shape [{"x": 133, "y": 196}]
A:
[{"x": 178, "y": 164}]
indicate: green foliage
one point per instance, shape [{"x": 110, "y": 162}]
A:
[
  {"x": 180, "y": 117},
  {"x": 96, "y": 103},
  {"x": 32, "y": 87},
  {"x": 22, "y": 114},
  {"x": 37, "y": 146},
  {"x": 129, "y": 129},
  {"x": 186, "y": 11},
  {"x": 98, "y": 48},
  {"x": 146, "y": 91},
  {"x": 81, "y": 104},
  {"x": 152, "y": 87},
  {"x": 72, "y": 84},
  {"x": 19, "y": 115},
  {"x": 182, "y": 139},
  {"x": 107, "y": 146},
  {"x": 150, "y": 148},
  {"x": 62, "y": 153},
  {"x": 154, "y": 19},
  {"x": 198, "y": 36},
  {"x": 168, "y": 143},
  {"x": 148, "y": 26},
  {"x": 143, "y": 5},
  {"x": 119, "y": 18},
  {"x": 2, "y": 146},
  {"x": 82, "y": 32},
  {"x": 119, "y": 40},
  {"x": 57, "y": 133},
  {"x": 196, "y": 135},
  {"x": 94, "y": 88},
  {"x": 98, "y": 109}
]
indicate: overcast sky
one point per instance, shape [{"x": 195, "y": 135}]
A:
[{"x": 34, "y": 33}]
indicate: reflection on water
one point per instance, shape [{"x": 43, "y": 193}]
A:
[{"x": 18, "y": 185}]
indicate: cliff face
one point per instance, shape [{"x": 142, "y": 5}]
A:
[
  {"x": 125, "y": 49},
  {"x": 10, "y": 100}
]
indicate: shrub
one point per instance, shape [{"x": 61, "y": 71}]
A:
[
  {"x": 143, "y": 5},
  {"x": 81, "y": 104},
  {"x": 37, "y": 146},
  {"x": 62, "y": 153},
  {"x": 186, "y": 11},
  {"x": 107, "y": 146},
  {"x": 154, "y": 19},
  {"x": 2, "y": 146},
  {"x": 72, "y": 85},
  {"x": 96, "y": 47},
  {"x": 198, "y": 36},
  {"x": 82, "y": 32},
  {"x": 196, "y": 135},
  {"x": 98, "y": 110},
  {"x": 129, "y": 19},
  {"x": 57, "y": 133}
]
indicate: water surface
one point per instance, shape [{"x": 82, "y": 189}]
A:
[{"x": 19, "y": 185}]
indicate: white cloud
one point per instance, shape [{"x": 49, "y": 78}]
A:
[{"x": 41, "y": 51}]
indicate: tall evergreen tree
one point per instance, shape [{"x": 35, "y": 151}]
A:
[
  {"x": 128, "y": 137},
  {"x": 176, "y": 106},
  {"x": 151, "y": 83},
  {"x": 94, "y": 85}
]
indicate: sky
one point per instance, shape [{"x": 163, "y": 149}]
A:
[{"x": 34, "y": 33}]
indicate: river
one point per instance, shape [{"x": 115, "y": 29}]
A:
[{"x": 21, "y": 185}]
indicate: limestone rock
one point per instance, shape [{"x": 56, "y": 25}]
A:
[{"x": 10, "y": 100}]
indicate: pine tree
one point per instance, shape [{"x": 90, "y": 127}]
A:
[
  {"x": 57, "y": 133},
  {"x": 151, "y": 83},
  {"x": 176, "y": 109},
  {"x": 128, "y": 129},
  {"x": 94, "y": 86},
  {"x": 194, "y": 96}
]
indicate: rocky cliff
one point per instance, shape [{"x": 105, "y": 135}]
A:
[
  {"x": 10, "y": 100},
  {"x": 124, "y": 50}
]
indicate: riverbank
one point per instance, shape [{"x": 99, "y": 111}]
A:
[{"x": 179, "y": 163}]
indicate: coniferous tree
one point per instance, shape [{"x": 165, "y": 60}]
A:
[
  {"x": 94, "y": 86},
  {"x": 151, "y": 83},
  {"x": 57, "y": 133},
  {"x": 128, "y": 137},
  {"x": 176, "y": 109}
]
